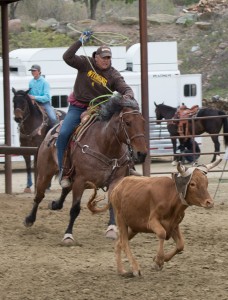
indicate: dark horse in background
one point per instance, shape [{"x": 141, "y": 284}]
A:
[
  {"x": 33, "y": 125},
  {"x": 211, "y": 126},
  {"x": 101, "y": 155}
]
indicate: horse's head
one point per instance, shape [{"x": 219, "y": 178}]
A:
[
  {"x": 129, "y": 123},
  {"x": 158, "y": 112},
  {"x": 20, "y": 104}
]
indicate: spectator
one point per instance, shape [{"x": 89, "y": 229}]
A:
[{"x": 188, "y": 147}]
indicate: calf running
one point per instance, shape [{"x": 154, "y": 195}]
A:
[{"x": 155, "y": 205}]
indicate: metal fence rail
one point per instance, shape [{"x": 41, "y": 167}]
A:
[{"x": 8, "y": 150}]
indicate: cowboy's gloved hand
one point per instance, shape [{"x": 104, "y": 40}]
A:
[{"x": 85, "y": 36}]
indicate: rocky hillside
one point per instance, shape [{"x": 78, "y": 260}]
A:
[{"x": 200, "y": 30}]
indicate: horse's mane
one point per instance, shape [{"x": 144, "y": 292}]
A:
[
  {"x": 114, "y": 105},
  {"x": 167, "y": 106}
]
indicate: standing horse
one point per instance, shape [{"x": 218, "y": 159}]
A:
[
  {"x": 100, "y": 156},
  {"x": 33, "y": 125},
  {"x": 211, "y": 126}
]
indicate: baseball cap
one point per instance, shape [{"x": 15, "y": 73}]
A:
[
  {"x": 104, "y": 51},
  {"x": 35, "y": 68}
]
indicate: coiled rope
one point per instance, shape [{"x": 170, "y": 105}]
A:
[
  {"x": 110, "y": 43},
  {"x": 107, "y": 38}
]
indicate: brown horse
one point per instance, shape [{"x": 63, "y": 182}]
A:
[
  {"x": 210, "y": 125},
  {"x": 33, "y": 125},
  {"x": 102, "y": 155}
]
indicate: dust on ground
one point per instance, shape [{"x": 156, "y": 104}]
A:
[{"x": 34, "y": 265}]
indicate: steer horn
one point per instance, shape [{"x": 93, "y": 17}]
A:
[
  {"x": 214, "y": 164},
  {"x": 206, "y": 168},
  {"x": 184, "y": 172}
]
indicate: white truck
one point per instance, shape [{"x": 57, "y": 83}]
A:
[{"x": 166, "y": 84}]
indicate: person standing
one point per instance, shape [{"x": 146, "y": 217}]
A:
[{"x": 39, "y": 90}]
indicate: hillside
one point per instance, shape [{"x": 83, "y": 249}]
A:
[{"x": 200, "y": 30}]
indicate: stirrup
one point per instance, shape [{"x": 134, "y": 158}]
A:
[{"x": 64, "y": 181}]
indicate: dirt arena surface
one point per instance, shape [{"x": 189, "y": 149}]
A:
[{"x": 35, "y": 266}]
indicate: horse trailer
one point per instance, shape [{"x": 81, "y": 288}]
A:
[{"x": 165, "y": 83}]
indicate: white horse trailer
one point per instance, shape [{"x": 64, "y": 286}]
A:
[{"x": 166, "y": 84}]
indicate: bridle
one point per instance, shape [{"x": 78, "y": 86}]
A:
[
  {"x": 122, "y": 124},
  {"x": 26, "y": 113}
]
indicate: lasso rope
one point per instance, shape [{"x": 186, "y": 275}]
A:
[
  {"x": 126, "y": 39},
  {"x": 102, "y": 96},
  {"x": 110, "y": 38}
]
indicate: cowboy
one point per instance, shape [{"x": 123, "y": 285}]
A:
[{"x": 95, "y": 77}]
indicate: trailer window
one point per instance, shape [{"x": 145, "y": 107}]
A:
[
  {"x": 59, "y": 101},
  {"x": 190, "y": 90}
]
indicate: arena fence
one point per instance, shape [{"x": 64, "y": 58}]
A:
[{"x": 8, "y": 151}]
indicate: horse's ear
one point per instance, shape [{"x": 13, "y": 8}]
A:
[
  {"x": 27, "y": 91},
  {"x": 155, "y": 104},
  {"x": 14, "y": 91}
]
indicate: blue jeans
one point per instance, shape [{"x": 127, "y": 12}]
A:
[
  {"x": 50, "y": 112},
  {"x": 71, "y": 120}
]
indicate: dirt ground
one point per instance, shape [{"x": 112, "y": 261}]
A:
[{"x": 35, "y": 266}]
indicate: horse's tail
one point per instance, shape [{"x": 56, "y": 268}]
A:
[
  {"x": 225, "y": 127},
  {"x": 94, "y": 199}
]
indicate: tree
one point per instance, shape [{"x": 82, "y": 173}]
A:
[
  {"x": 91, "y": 6},
  {"x": 12, "y": 10}
]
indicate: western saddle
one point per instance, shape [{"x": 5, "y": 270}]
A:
[{"x": 182, "y": 114}]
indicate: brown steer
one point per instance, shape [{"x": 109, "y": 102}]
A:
[{"x": 144, "y": 204}]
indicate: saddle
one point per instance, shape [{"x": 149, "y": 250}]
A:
[
  {"x": 182, "y": 113},
  {"x": 88, "y": 118}
]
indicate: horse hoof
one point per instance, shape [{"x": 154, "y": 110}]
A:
[
  {"x": 131, "y": 274},
  {"x": 137, "y": 273},
  {"x": 111, "y": 232},
  {"x": 68, "y": 240},
  {"x": 27, "y": 190},
  {"x": 53, "y": 205},
  {"x": 27, "y": 224}
]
